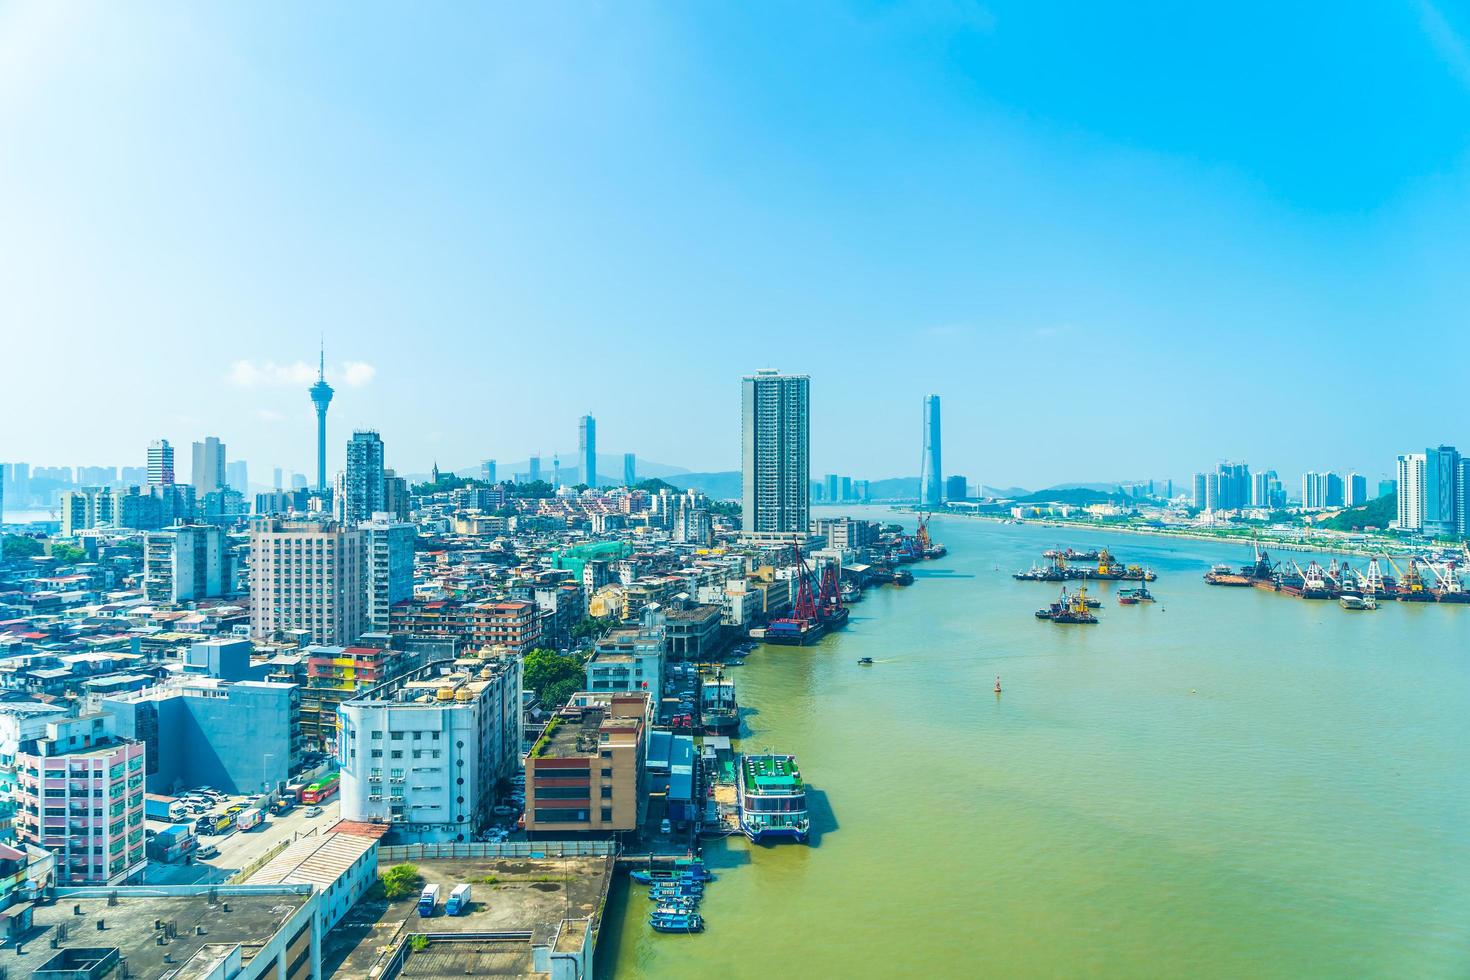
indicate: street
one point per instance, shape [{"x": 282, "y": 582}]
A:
[{"x": 239, "y": 848}]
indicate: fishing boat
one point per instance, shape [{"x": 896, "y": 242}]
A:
[
  {"x": 674, "y": 893},
  {"x": 676, "y": 920},
  {"x": 771, "y": 798}
]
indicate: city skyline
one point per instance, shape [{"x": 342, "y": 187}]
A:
[{"x": 1015, "y": 231}]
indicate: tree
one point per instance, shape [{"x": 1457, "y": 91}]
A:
[
  {"x": 553, "y": 676},
  {"x": 18, "y": 546},
  {"x": 591, "y": 627},
  {"x": 400, "y": 881},
  {"x": 67, "y": 553},
  {"x": 655, "y": 485}
]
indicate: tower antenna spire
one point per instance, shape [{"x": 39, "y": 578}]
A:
[{"x": 321, "y": 368}]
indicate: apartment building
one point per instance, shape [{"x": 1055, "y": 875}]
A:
[
  {"x": 424, "y": 753},
  {"x": 79, "y": 793},
  {"x": 511, "y": 623},
  {"x": 186, "y": 563},
  {"x": 389, "y": 571},
  {"x": 335, "y": 675},
  {"x": 631, "y": 658},
  {"x": 306, "y": 575},
  {"x": 586, "y": 772}
]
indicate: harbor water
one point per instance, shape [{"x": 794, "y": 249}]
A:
[{"x": 1226, "y": 783}]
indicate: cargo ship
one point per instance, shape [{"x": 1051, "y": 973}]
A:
[
  {"x": 772, "y": 799},
  {"x": 1224, "y": 575},
  {"x": 794, "y": 632}
]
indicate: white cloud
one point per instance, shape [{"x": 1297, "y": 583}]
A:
[
  {"x": 269, "y": 415},
  {"x": 357, "y": 374},
  {"x": 298, "y": 374}
]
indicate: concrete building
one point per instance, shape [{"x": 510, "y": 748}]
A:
[
  {"x": 363, "y": 485},
  {"x": 237, "y": 475},
  {"x": 341, "y": 867},
  {"x": 775, "y": 453},
  {"x": 693, "y": 632},
  {"x": 395, "y": 495},
  {"x": 306, "y": 575},
  {"x": 931, "y": 481},
  {"x": 389, "y": 570},
  {"x": 186, "y": 563},
  {"x": 1411, "y": 472},
  {"x": 956, "y": 488},
  {"x": 238, "y": 737},
  {"x": 586, "y": 772},
  {"x": 160, "y": 463},
  {"x": 424, "y": 753},
  {"x": 630, "y": 470},
  {"x": 337, "y": 674},
  {"x": 209, "y": 465},
  {"x": 79, "y": 791},
  {"x": 487, "y": 471},
  {"x": 21, "y": 721},
  {"x": 178, "y": 932},
  {"x": 631, "y": 658},
  {"x": 587, "y": 449}
]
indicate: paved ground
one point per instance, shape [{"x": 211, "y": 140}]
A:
[{"x": 239, "y": 848}]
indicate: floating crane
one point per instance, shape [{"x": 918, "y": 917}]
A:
[{"x": 1411, "y": 583}]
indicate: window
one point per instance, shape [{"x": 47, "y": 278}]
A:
[
  {"x": 606, "y": 772},
  {"x": 607, "y": 813},
  {"x": 377, "y": 753},
  {"x": 377, "y": 734},
  {"x": 396, "y": 736},
  {"x": 396, "y": 754},
  {"x": 607, "y": 792}
]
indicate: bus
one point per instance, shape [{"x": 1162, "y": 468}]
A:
[{"x": 320, "y": 791}]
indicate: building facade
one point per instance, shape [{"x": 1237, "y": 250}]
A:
[
  {"x": 363, "y": 485},
  {"x": 160, "y": 463},
  {"x": 186, "y": 563},
  {"x": 306, "y": 575},
  {"x": 425, "y": 753},
  {"x": 80, "y": 795},
  {"x": 775, "y": 453},
  {"x": 389, "y": 570},
  {"x": 587, "y": 449},
  {"x": 586, "y": 773},
  {"x": 209, "y": 465}
]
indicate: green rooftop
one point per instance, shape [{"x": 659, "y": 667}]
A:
[{"x": 771, "y": 774}]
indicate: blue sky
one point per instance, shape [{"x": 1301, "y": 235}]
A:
[{"x": 1118, "y": 243}]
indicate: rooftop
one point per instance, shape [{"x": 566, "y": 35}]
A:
[
  {"x": 248, "y": 919},
  {"x": 317, "y": 860},
  {"x": 771, "y": 774},
  {"x": 533, "y": 897}
]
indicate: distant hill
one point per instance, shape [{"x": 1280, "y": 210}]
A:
[
  {"x": 724, "y": 485},
  {"x": 1003, "y": 493},
  {"x": 1076, "y": 496},
  {"x": 1375, "y": 513}
]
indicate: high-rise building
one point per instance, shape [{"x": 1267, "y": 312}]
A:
[
  {"x": 1201, "y": 491},
  {"x": 1388, "y": 488},
  {"x": 307, "y": 576},
  {"x": 1333, "y": 495},
  {"x": 1355, "y": 487},
  {"x": 535, "y": 467},
  {"x": 1315, "y": 489},
  {"x": 277, "y": 479},
  {"x": 427, "y": 764},
  {"x": 555, "y": 472},
  {"x": 587, "y": 448},
  {"x": 1212, "y": 491},
  {"x": 79, "y": 794},
  {"x": 395, "y": 495},
  {"x": 831, "y": 485},
  {"x": 1441, "y": 491},
  {"x": 209, "y": 465},
  {"x": 1462, "y": 503},
  {"x": 1261, "y": 488},
  {"x": 630, "y": 470},
  {"x": 1411, "y": 471},
  {"x": 956, "y": 488},
  {"x": 363, "y": 485},
  {"x": 846, "y": 489},
  {"x": 389, "y": 545},
  {"x": 160, "y": 463},
  {"x": 185, "y": 563},
  {"x": 931, "y": 480},
  {"x": 487, "y": 470},
  {"x": 775, "y": 452},
  {"x": 3, "y": 468},
  {"x": 1234, "y": 483},
  {"x": 321, "y": 397},
  {"x": 237, "y": 475}
]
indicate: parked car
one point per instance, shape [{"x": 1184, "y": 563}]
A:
[
  {"x": 665, "y": 827},
  {"x": 313, "y": 811}
]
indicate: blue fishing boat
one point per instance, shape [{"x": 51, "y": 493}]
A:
[
  {"x": 676, "y": 920},
  {"x": 656, "y": 893}
]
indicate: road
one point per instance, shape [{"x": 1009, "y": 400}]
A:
[{"x": 239, "y": 848}]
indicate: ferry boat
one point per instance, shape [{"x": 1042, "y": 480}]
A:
[
  {"x": 717, "y": 708},
  {"x": 772, "y": 798}
]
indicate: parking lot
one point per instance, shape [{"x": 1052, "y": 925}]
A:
[{"x": 239, "y": 848}]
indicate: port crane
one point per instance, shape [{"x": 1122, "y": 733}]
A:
[{"x": 1411, "y": 583}]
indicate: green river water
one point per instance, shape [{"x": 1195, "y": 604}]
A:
[{"x": 1230, "y": 783}]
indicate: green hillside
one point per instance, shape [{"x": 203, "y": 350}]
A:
[{"x": 1375, "y": 513}]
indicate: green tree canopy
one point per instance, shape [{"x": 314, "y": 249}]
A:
[
  {"x": 19, "y": 546},
  {"x": 553, "y": 676}
]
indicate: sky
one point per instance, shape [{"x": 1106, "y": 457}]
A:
[{"x": 1118, "y": 242}]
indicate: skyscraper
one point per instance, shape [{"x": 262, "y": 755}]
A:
[
  {"x": 363, "y": 487},
  {"x": 321, "y": 397},
  {"x": 535, "y": 467},
  {"x": 306, "y": 575},
  {"x": 160, "y": 463},
  {"x": 209, "y": 465},
  {"x": 1441, "y": 491},
  {"x": 775, "y": 452},
  {"x": 487, "y": 471},
  {"x": 1411, "y": 467},
  {"x": 1201, "y": 491},
  {"x": 831, "y": 484},
  {"x": 587, "y": 446},
  {"x": 237, "y": 475},
  {"x": 1356, "y": 488},
  {"x": 931, "y": 481},
  {"x": 276, "y": 478},
  {"x": 630, "y": 470},
  {"x": 388, "y": 545}
]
